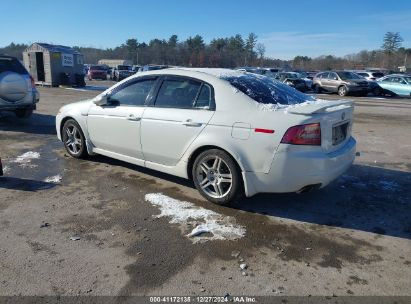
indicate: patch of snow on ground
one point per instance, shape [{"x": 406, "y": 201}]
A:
[
  {"x": 217, "y": 226},
  {"x": 53, "y": 179},
  {"x": 6, "y": 169},
  {"x": 25, "y": 159}
]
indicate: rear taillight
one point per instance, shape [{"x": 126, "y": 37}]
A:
[
  {"x": 33, "y": 85},
  {"x": 309, "y": 134}
]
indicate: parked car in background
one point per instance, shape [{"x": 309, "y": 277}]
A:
[
  {"x": 121, "y": 72},
  {"x": 215, "y": 127},
  {"x": 18, "y": 92},
  {"x": 152, "y": 67},
  {"x": 292, "y": 79},
  {"x": 369, "y": 75},
  {"x": 135, "y": 68},
  {"x": 97, "y": 72},
  {"x": 311, "y": 74},
  {"x": 304, "y": 76},
  {"x": 340, "y": 82},
  {"x": 396, "y": 84}
]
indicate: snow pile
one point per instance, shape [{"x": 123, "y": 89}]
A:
[
  {"x": 217, "y": 226},
  {"x": 53, "y": 179},
  {"x": 25, "y": 159}
]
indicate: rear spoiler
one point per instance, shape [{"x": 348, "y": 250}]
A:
[{"x": 321, "y": 107}]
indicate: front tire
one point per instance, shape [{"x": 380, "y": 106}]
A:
[
  {"x": 217, "y": 177},
  {"x": 73, "y": 139}
]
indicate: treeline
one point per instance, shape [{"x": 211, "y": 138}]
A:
[{"x": 236, "y": 51}]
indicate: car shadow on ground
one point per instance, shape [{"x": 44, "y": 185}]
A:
[
  {"x": 370, "y": 199},
  {"x": 366, "y": 198},
  {"x": 36, "y": 124},
  {"x": 22, "y": 184}
]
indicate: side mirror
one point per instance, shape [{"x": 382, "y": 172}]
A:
[{"x": 101, "y": 100}]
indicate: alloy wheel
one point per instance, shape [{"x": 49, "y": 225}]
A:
[
  {"x": 74, "y": 141},
  {"x": 214, "y": 176}
]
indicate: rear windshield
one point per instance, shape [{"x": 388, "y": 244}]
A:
[
  {"x": 11, "y": 65},
  {"x": 97, "y": 68},
  {"x": 124, "y": 67},
  {"x": 267, "y": 90},
  {"x": 377, "y": 75}
]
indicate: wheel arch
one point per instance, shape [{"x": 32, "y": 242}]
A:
[
  {"x": 83, "y": 130},
  {"x": 199, "y": 150}
]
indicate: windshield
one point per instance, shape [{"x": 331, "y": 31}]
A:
[
  {"x": 348, "y": 75},
  {"x": 291, "y": 75},
  {"x": 303, "y": 74},
  {"x": 266, "y": 90},
  {"x": 124, "y": 67}
]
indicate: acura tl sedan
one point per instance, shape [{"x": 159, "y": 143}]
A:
[{"x": 231, "y": 132}]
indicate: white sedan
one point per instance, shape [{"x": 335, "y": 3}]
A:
[{"x": 231, "y": 132}]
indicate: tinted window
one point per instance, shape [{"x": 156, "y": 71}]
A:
[
  {"x": 364, "y": 74},
  {"x": 178, "y": 93},
  {"x": 124, "y": 67},
  {"x": 377, "y": 75},
  {"x": 11, "y": 65},
  {"x": 266, "y": 90},
  {"x": 332, "y": 76},
  {"x": 204, "y": 98},
  {"x": 97, "y": 68},
  {"x": 134, "y": 94},
  {"x": 348, "y": 75}
]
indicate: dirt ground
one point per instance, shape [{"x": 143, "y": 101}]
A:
[{"x": 350, "y": 238}]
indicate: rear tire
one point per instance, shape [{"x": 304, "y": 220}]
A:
[
  {"x": 24, "y": 113},
  {"x": 217, "y": 177},
  {"x": 342, "y": 91},
  {"x": 73, "y": 139}
]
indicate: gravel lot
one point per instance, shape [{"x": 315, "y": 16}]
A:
[{"x": 351, "y": 238}]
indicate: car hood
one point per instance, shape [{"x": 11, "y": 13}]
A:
[{"x": 81, "y": 106}]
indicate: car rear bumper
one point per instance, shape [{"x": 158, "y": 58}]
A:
[{"x": 293, "y": 170}]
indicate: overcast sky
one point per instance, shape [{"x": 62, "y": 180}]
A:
[{"x": 286, "y": 28}]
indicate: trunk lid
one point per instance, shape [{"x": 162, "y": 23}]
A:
[{"x": 335, "y": 117}]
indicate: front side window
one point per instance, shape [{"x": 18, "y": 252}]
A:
[
  {"x": 348, "y": 75},
  {"x": 332, "y": 76},
  {"x": 178, "y": 93},
  {"x": 134, "y": 94}
]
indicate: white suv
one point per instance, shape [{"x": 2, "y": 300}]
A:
[{"x": 17, "y": 89}]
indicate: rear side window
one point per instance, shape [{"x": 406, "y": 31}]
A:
[
  {"x": 266, "y": 90},
  {"x": 11, "y": 65},
  {"x": 134, "y": 93},
  {"x": 178, "y": 93}
]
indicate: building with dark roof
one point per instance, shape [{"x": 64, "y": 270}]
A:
[{"x": 54, "y": 64}]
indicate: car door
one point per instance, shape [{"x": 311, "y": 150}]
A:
[
  {"x": 325, "y": 81},
  {"x": 332, "y": 82},
  {"x": 182, "y": 108},
  {"x": 115, "y": 127}
]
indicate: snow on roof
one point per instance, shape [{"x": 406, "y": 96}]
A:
[{"x": 216, "y": 72}]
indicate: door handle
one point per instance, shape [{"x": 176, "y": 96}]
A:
[
  {"x": 133, "y": 118},
  {"x": 190, "y": 123}
]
